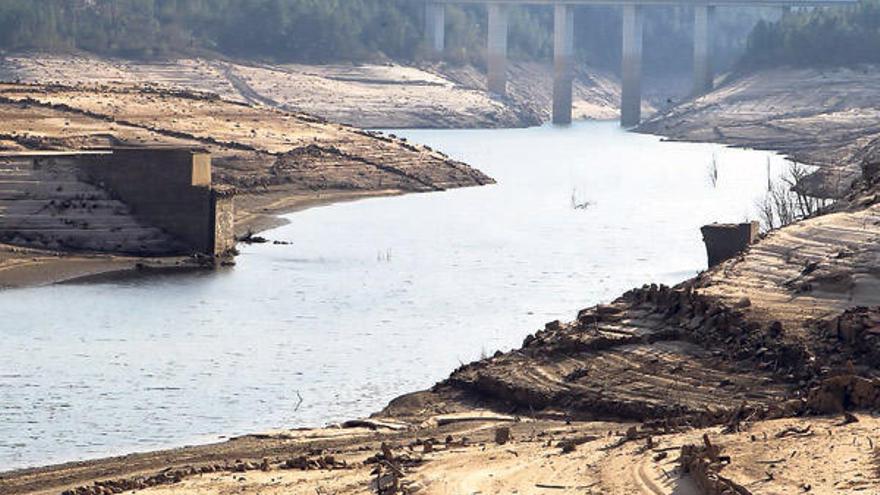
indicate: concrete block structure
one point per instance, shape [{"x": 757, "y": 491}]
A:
[
  {"x": 137, "y": 201},
  {"x": 497, "y": 52},
  {"x": 726, "y": 241},
  {"x": 704, "y": 24},
  {"x": 169, "y": 188},
  {"x": 631, "y": 70},
  {"x": 435, "y": 27},
  {"x": 563, "y": 63}
]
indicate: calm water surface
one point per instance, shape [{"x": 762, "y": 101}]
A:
[{"x": 373, "y": 299}]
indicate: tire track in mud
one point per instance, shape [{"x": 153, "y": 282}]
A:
[{"x": 247, "y": 91}]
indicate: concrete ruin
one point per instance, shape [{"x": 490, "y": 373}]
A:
[
  {"x": 726, "y": 241},
  {"x": 138, "y": 201}
]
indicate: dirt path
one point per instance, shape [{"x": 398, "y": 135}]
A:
[{"x": 828, "y": 458}]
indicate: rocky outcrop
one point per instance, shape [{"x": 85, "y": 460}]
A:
[
  {"x": 678, "y": 356},
  {"x": 704, "y": 464}
]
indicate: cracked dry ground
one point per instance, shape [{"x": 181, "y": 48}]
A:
[{"x": 277, "y": 160}]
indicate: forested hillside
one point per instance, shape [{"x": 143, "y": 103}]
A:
[
  {"x": 315, "y": 31},
  {"x": 833, "y": 36}
]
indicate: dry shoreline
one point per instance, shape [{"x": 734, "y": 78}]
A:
[
  {"x": 20, "y": 268},
  {"x": 277, "y": 160},
  {"x": 369, "y": 96},
  {"x": 372, "y": 96},
  {"x": 822, "y": 117},
  {"x": 757, "y": 359}
]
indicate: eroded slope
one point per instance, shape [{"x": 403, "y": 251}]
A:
[{"x": 273, "y": 158}]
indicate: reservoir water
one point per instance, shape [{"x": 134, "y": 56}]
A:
[{"x": 371, "y": 300}]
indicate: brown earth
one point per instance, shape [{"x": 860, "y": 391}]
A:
[{"x": 784, "y": 456}]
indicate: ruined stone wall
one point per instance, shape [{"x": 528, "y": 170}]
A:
[
  {"x": 704, "y": 464},
  {"x": 224, "y": 221},
  {"x": 170, "y": 189}
]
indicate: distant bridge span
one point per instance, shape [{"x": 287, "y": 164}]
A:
[{"x": 563, "y": 42}]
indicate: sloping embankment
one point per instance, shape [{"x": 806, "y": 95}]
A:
[
  {"x": 374, "y": 96},
  {"x": 268, "y": 155},
  {"x": 825, "y": 117},
  {"x": 276, "y": 160}
]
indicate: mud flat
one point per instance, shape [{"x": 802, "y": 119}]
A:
[
  {"x": 21, "y": 267},
  {"x": 367, "y": 96}
]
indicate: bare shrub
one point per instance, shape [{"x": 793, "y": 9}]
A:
[
  {"x": 577, "y": 203},
  {"x": 713, "y": 171},
  {"x": 785, "y": 201}
]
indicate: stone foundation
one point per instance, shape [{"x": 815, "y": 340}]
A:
[
  {"x": 169, "y": 188},
  {"x": 136, "y": 201}
]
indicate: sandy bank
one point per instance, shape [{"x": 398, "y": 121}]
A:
[{"x": 818, "y": 455}]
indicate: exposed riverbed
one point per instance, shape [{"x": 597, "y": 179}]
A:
[{"x": 371, "y": 300}]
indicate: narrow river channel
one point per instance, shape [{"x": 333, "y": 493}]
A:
[{"x": 371, "y": 300}]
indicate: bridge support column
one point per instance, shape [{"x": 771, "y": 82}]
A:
[
  {"x": 786, "y": 11},
  {"x": 497, "y": 49},
  {"x": 631, "y": 96},
  {"x": 704, "y": 76},
  {"x": 563, "y": 65},
  {"x": 435, "y": 27}
]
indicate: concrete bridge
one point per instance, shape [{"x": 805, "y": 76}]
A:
[{"x": 631, "y": 71}]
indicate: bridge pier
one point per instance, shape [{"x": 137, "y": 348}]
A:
[
  {"x": 631, "y": 95},
  {"x": 704, "y": 76},
  {"x": 563, "y": 65},
  {"x": 435, "y": 27},
  {"x": 497, "y": 49}
]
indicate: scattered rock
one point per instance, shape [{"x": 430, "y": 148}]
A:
[{"x": 502, "y": 435}]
